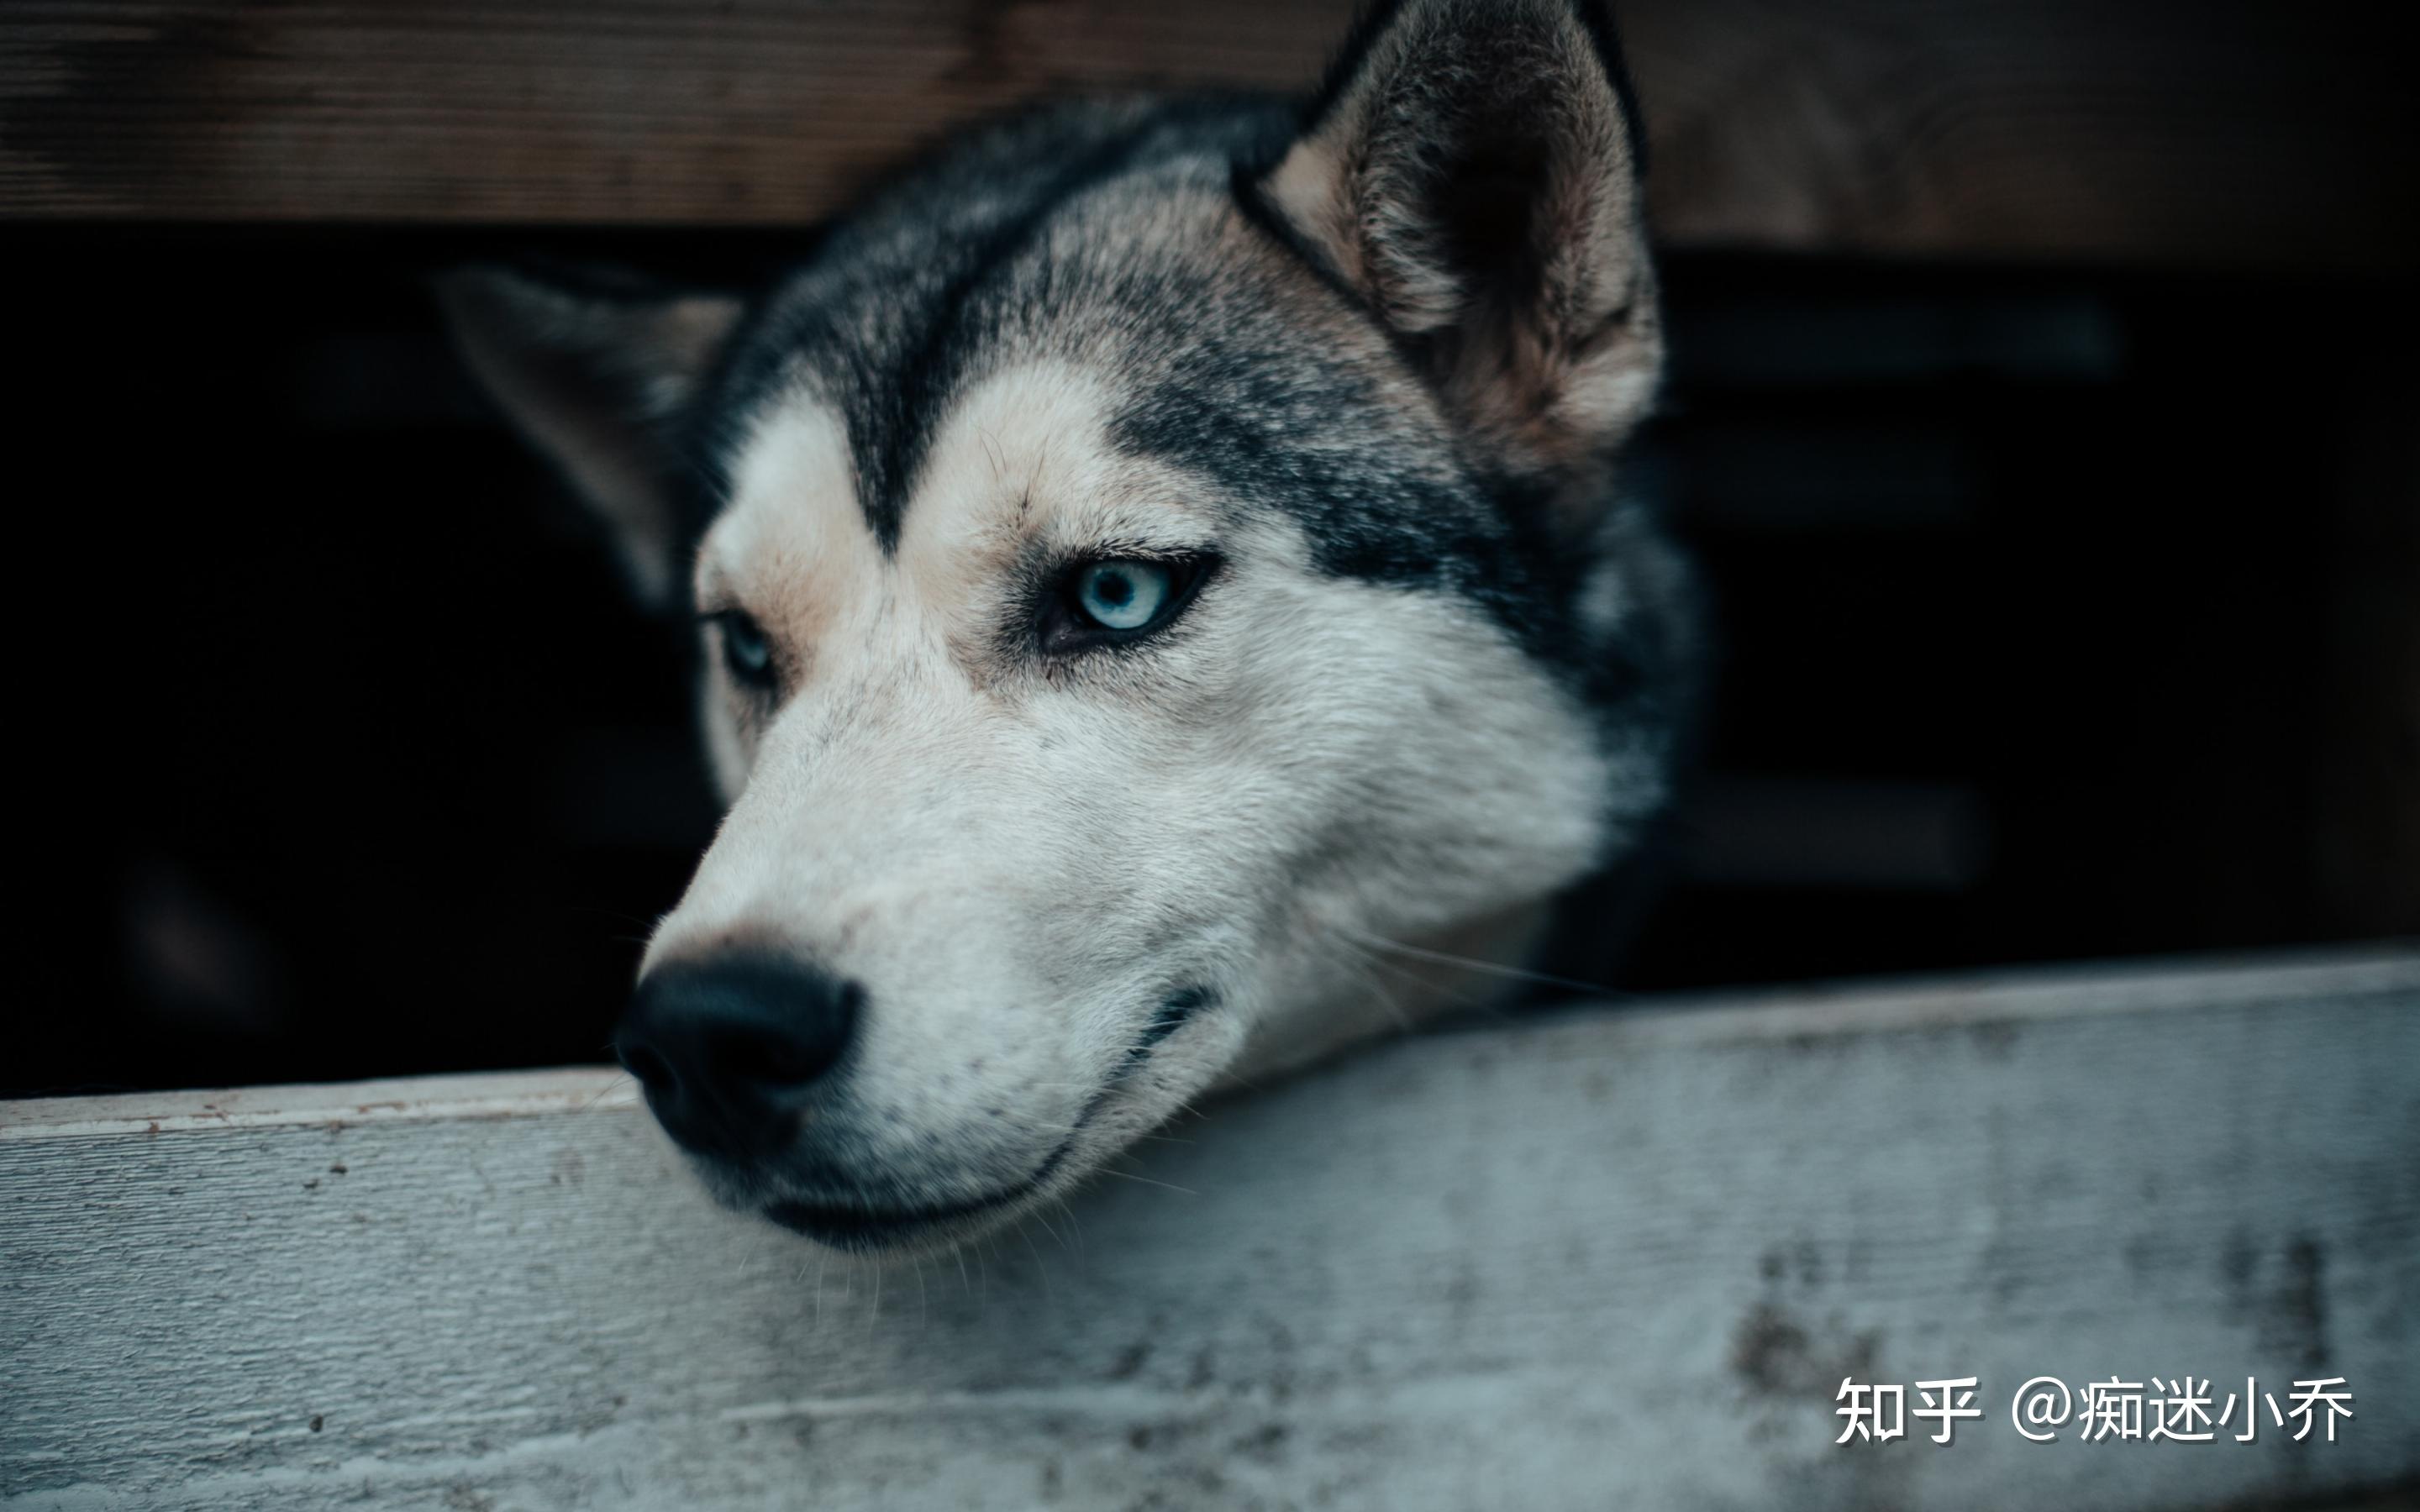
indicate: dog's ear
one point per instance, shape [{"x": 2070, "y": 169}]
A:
[
  {"x": 599, "y": 375},
  {"x": 1473, "y": 174}
]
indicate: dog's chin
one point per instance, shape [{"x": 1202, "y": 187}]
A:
[
  {"x": 860, "y": 1229},
  {"x": 897, "y": 1231},
  {"x": 867, "y": 1227}
]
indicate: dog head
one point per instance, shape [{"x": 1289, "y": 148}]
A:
[{"x": 1149, "y": 567}]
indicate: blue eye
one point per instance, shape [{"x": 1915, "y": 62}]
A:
[
  {"x": 746, "y": 653},
  {"x": 1119, "y": 601},
  {"x": 1125, "y": 596}
]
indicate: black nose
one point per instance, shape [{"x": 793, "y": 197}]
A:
[{"x": 728, "y": 1049}]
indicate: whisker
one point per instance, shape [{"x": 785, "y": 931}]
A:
[
  {"x": 1461, "y": 996},
  {"x": 1394, "y": 1007},
  {"x": 612, "y": 1086},
  {"x": 1364, "y": 966},
  {"x": 1129, "y": 1176},
  {"x": 1041, "y": 1272},
  {"x": 1488, "y": 968}
]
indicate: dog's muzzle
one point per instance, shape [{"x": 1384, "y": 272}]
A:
[{"x": 743, "y": 1058}]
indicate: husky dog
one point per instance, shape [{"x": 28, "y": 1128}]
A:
[{"x": 1160, "y": 573}]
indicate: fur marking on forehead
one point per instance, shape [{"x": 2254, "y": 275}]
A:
[
  {"x": 913, "y": 295},
  {"x": 891, "y": 420}
]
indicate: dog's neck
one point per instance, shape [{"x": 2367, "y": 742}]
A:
[{"x": 1388, "y": 988}]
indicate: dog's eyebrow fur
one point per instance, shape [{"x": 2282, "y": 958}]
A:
[
  {"x": 891, "y": 424},
  {"x": 714, "y": 593}
]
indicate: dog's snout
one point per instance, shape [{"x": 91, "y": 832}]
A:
[{"x": 728, "y": 1049}]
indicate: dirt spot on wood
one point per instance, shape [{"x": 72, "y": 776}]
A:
[
  {"x": 1129, "y": 1362},
  {"x": 2283, "y": 1295},
  {"x": 1777, "y": 1355},
  {"x": 1998, "y": 1040}
]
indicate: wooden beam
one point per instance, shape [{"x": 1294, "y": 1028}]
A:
[
  {"x": 2204, "y": 131},
  {"x": 1612, "y": 1258}
]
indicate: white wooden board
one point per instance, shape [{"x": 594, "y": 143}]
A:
[{"x": 1616, "y": 1259}]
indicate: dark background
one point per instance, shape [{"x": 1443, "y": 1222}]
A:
[{"x": 2065, "y": 613}]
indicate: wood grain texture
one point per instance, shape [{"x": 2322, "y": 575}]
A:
[
  {"x": 1614, "y": 1258},
  {"x": 2204, "y": 131}
]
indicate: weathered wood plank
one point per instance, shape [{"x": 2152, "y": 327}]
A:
[
  {"x": 2201, "y": 131},
  {"x": 1605, "y": 1259}
]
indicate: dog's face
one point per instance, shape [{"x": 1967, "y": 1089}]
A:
[{"x": 1152, "y": 572}]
